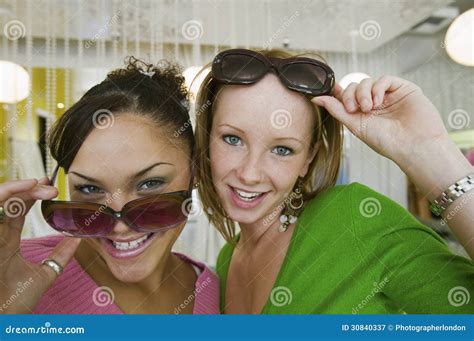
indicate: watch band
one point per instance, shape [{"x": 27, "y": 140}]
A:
[{"x": 453, "y": 192}]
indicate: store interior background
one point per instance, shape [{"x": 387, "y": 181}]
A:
[{"x": 65, "y": 47}]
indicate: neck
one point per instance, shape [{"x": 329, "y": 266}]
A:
[{"x": 263, "y": 232}]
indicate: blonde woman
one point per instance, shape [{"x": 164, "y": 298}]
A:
[{"x": 270, "y": 149}]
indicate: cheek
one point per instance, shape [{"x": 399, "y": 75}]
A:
[{"x": 222, "y": 159}]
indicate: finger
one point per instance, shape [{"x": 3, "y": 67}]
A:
[
  {"x": 10, "y": 188},
  {"x": 348, "y": 97},
  {"x": 337, "y": 92},
  {"x": 62, "y": 254},
  {"x": 382, "y": 85},
  {"x": 337, "y": 110},
  {"x": 44, "y": 181},
  {"x": 364, "y": 94},
  {"x": 18, "y": 205}
]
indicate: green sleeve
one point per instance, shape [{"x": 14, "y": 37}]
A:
[{"x": 412, "y": 264}]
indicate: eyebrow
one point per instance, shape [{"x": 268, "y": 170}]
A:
[
  {"x": 231, "y": 126},
  {"x": 136, "y": 176},
  {"x": 277, "y": 139}
]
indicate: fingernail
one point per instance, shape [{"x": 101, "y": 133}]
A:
[
  {"x": 350, "y": 105},
  {"x": 366, "y": 104},
  {"x": 318, "y": 101}
]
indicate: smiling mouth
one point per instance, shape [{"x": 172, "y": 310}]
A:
[
  {"x": 246, "y": 195},
  {"x": 130, "y": 245},
  {"x": 130, "y": 248},
  {"x": 246, "y": 199}
]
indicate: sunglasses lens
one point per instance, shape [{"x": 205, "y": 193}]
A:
[
  {"x": 163, "y": 213},
  {"x": 305, "y": 76},
  {"x": 78, "y": 222},
  {"x": 237, "y": 67}
]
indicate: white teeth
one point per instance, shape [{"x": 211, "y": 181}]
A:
[
  {"x": 131, "y": 244},
  {"x": 247, "y": 196}
]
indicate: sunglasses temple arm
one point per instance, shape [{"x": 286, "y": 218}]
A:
[{"x": 53, "y": 177}]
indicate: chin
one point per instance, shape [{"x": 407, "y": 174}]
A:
[{"x": 131, "y": 272}]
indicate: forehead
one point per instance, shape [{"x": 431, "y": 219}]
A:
[
  {"x": 128, "y": 144},
  {"x": 267, "y": 105}
]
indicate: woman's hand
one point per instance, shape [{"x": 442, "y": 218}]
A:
[
  {"x": 394, "y": 118},
  {"x": 17, "y": 198},
  {"x": 391, "y": 115}
]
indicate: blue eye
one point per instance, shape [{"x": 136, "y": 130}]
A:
[
  {"x": 283, "y": 151},
  {"x": 232, "y": 140},
  {"x": 88, "y": 189},
  {"x": 150, "y": 184}
]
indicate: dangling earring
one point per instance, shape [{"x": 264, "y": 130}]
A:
[{"x": 292, "y": 209}]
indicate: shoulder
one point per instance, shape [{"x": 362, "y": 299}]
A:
[
  {"x": 203, "y": 268},
  {"x": 206, "y": 288},
  {"x": 355, "y": 203}
]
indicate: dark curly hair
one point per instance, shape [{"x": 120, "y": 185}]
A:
[{"x": 155, "y": 91}]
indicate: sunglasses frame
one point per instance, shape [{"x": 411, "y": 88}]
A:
[
  {"x": 49, "y": 205},
  {"x": 276, "y": 64}
]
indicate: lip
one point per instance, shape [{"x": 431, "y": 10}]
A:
[
  {"x": 126, "y": 254},
  {"x": 242, "y": 203}
]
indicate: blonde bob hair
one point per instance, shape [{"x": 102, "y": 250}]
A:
[{"x": 322, "y": 171}]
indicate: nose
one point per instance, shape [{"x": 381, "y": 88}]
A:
[
  {"x": 250, "y": 170},
  {"x": 117, "y": 204},
  {"x": 120, "y": 228}
]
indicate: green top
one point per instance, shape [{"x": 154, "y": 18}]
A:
[{"x": 356, "y": 251}]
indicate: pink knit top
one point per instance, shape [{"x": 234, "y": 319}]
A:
[{"x": 75, "y": 292}]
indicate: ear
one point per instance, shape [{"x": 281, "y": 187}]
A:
[{"x": 310, "y": 159}]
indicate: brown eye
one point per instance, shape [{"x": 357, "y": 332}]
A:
[
  {"x": 88, "y": 189},
  {"x": 150, "y": 184}
]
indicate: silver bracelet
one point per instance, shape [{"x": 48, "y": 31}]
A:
[{"x": 453, "y": 192}]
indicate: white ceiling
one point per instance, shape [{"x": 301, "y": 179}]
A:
[{"x": 322, "y": 25}]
